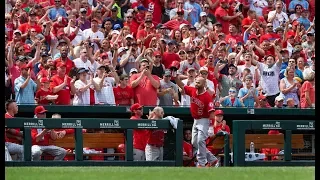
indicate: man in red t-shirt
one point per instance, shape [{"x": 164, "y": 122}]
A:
[
  {"x": 155, "y": 141},
  {"x": 13, "y": 137},
  {"x": 64, "y": 50},
  {"x": 201, "y": 109},
  {"x": 62, "y": 85},
  {"x": 145, "y": 85},
  {"x": 139, "y": 136},
  {"x": 40, "y": 139}
]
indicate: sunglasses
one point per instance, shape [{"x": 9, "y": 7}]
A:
[
  {"x": 204, "y": 73},
  {"x": 269, "y": 26},
  {"x": 7, "y": 19},
  {"x": 129, "y": 17},
  {"x": 167, "y": 76},
  {"x": 232, "y": 91}
]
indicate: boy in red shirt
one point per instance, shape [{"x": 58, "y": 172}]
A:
[{"x": 43, "y": 94}]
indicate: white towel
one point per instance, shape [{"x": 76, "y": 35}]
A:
[{"x": 173, "y": 121}]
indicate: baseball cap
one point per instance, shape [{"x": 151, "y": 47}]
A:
[
  {"x": 218, "y": 112},
  {"x": 133, "y": 70},
  {"x": 203, "y": 14},
  {"x": 114, "y": 8},
  {"x": 82, "y": 70},
  {"x": 182, "y": 25},
  {"x": 217, "y": 24},
  {"x": 144, "y": 60},
  {"x": 203, "y": 68},
  {"x": 115, "y": 32},
  {"x": 121, "y": 49},
  {"x": 44, "y": 54},
  {"x": 175, "y": 65},
  {"x": 191, "y": 69},
  {"x": 103, "y": 55},
  {"x": 262, "y": 97},
  {"x": 40, "y": 36},
  {"x": 167, "y": 72},
  {"x": 135, "y": 107},
  {"x": 32, "y": 12},
  {"x": 44, "y": 80},
  {"x": 83, "y": 10},
  {"x": 95, "y": 19},
  {"x": 156, "y": 53},
  {"x": 62, "y": 41},
  {"x": 253, "y": 36},
  {"x": 284, "y": 50},
  {"x": 223, "y": 42},
  {"x": 39, "y": 110},
  {"x": 192, "y": 27},
  {"x": 116, "y": 26},
  {"x": 129, "y": 36},
  {"x": 17, "y": 31},
  {"x": 279, "y": 98},
  {"x": 148, "y": 21},
  {"x": 310, "y": 34},
  {"x": 141, "y": 7}
]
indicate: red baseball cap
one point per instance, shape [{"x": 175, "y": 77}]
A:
[
  {"x": 253, "y": 36},
  {"x": 44, "y": 80},
  {"x": 135, "y": 107},
  {"x": 175, "y": 64},
  {"x": 262, "y": 97},
  {"x": 157, "y": 53},
  {"x": 218, "y": 112},
  {"x": 27, "y": 48},
  {"x": 103, "y": 55},
  {"x": 39, "y": 110}
]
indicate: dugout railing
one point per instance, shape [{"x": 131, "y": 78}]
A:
[
  {"x": 26, "y": 124},
  {"x": 285, "y": 126}
]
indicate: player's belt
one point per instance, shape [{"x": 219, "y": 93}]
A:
[{"x": 156, "y": 145}]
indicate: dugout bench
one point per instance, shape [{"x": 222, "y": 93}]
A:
[
  {"x": 287, "y": 141},
  {"x": 80, "y": 140}
]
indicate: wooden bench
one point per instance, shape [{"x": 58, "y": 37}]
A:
[
  {"x": 92, "y": 141},
  {"x": 265, "y": 141}
]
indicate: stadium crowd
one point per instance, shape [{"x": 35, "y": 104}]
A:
[{"x": 251, "y": 53}]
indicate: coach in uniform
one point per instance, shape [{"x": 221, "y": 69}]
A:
[{"x": 139, "y": 136}]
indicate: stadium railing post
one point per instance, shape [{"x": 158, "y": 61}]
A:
[
  {"x": 226, "y": 150},
  {"x": 129, "y": 145},
  {"x": 179, "y": 145},
  {"x": 287, "y": 145},
  {"x": 79, "y": 144},
  {"x": 27, "y": 144},
  {"x": 239, "y": 130}
]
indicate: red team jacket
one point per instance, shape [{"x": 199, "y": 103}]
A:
[{"x": 139, "y": 136}]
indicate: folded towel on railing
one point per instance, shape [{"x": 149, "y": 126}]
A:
[{"x": 173, "y": 121}]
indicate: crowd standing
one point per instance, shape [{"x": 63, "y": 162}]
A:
[
  {"x": 113, "y": 52},
  {"x": 237, "y": 53}
]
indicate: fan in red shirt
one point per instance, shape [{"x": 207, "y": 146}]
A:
[
  {"x": 146, "y": 34},
  {"x": 139, "y": 136},
  {"x": 64, "y": 59},
  {"x": 155, "y": 142},
  {"x": 174, "y": 24},
  {"x": 123, "y": 94},
  {"x": 187, "y": 149},
  {"x": 43, "y": 94},
  {"x": 13, "y": 137},
  {"x": 201, "y": 109},
  {"x": 218, "y": 124},
  {"x": 40, "y": 139},
  {"x": 170, "y": 56},
  {"x": 62, "y": 85}
]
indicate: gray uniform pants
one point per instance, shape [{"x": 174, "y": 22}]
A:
[
  {"x": 17, "y": 149},
  {"x": 58, "y": 152},
  {"x": 154, "y": 153},
  {"x": 199, "y": 135},
  {"x": 138, "y": 155}
]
